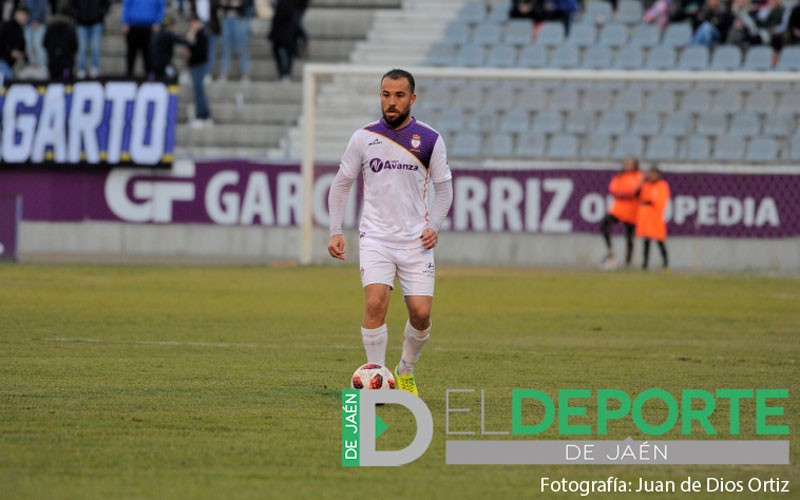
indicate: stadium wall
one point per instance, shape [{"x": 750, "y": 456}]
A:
[{"x": 545, "y": 216}]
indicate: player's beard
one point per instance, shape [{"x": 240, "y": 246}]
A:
[{"x": 397, "y": 121}]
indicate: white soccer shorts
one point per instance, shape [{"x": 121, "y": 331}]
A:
[{"x": 413, "y": 267}]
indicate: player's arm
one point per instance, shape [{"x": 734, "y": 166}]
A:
[
  {"x": 442, "y": 195},
  {"x": 442, "y": 199},
  {"x": 337, "y": 197}
]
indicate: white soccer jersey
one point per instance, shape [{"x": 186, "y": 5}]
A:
[{"x": 397, "y": 165}]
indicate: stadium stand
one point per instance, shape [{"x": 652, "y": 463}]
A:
[{"x": 693, "y": 121}]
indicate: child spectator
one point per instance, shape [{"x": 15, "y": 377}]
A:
[{"x": 197, "y": 38}]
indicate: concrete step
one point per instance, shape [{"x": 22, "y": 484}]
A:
[
  {"x": 229, "y": 112},
  {"x": 230, "y": 136}
]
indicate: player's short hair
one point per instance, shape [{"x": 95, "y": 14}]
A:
[{"x": 396, "y": 74}]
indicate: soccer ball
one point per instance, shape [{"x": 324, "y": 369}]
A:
[{"x": 372, "y": 376}]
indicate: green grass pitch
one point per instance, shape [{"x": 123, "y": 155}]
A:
[{"x": 224, "y": 382}]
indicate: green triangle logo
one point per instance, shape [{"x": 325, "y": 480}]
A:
[{"x": 380, "y": 426}]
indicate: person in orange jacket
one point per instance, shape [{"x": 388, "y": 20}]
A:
[
  {"x": 624, "y": 187},
  {"x": 650, "y": 223}
]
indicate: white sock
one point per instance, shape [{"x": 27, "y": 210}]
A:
[
  {"x": 375, "y": 341},
  {"x": 412, "y": 345}
]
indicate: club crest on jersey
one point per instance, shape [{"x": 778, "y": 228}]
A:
[{"x": 415, "y": 141}]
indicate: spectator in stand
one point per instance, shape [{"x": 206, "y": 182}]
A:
[
  {"x": 683, "y": 10},
  {"x": 650, "y": 223},
  {"x": 207, "y": 11},
  {"x": 89, "y": 16},
  {"x": 624, "y": 187},
  {"x": 284, "y": 34},
  {"x": 12, "y": 42},
  {"x": 788, "y": 31},
  {"x": 140, "y": 18},
  {"x": 545, "y": 10},
  {"x": 658, "y": 13},
  {"x": 768, "y": 17},
  {"x": 744, "y": 31},
  {"x": 235, "y": 36},
  {"x": 712, "y": 24},
  {"x": 162, "y": 46},
  {"x": 34, "y": 33},
  {"x": 61, "y": 44},
  {"x": 197, "y": 60}
]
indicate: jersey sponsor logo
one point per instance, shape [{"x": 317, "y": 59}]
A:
[{"x": 377, "y": 164}]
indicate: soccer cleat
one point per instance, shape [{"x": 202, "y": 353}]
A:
[{"x": 406, "y": 382}]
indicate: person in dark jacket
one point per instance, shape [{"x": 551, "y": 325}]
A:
[
  {"x": 284, "y": 33},
  {"x": 12, "y": 42},
  {"x": 61, "y": 44},
  {"x": 140, "y": 18},
  {"x": 162, "y": 45},
  {"x": 89, "y": 16},
  {"x": 197, "y": 38}
]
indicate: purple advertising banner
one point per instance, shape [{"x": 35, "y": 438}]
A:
[
  {"x": 10, "y": 213},
  {"x": 551, "y": 201}
]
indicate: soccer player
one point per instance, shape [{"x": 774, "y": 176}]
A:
[
  {"x": 398, "y": 157},
  {"x": 650, "y": 218},
  {"x": 624, "y": 187}
]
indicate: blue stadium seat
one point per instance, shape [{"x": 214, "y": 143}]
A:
[
  {"x": 629, "y": 12},
  {"x": 677, "y": 124},
  {"x": 472, "y": 12},
  {"x": 530, "y": 145},
  {"x": 598, "y": 12},
  {"x": 661, "y": 57},
  {"x": 794, "y": 149},
  {"x": 579, "y": 121},
  {"x": 745, "y": 124},
  {"x": 758, "y": 58},
  {"x": 582, "y": 35},
  {"x": 761, "y": 101},
  {"x": 551, "y": 34},
  {"x": 470, "y": 56},
  {"x": 662, "y": 101},
  {"x": 693, "y": 58},
  {"x": 645, "y": 36},
  {"x": 564, "y": 99},
  {"x": 661, "y": 148},
  {"x": 563, "y": 146},
  {"x": 502, "y": 56},
  {"x": 500, "y": 145},
  {"x": 548, "y": 122},
  {"x": 482, "y": 120},
  {"x": 468, "y": 97},
  {"x": 532, "y": 98},
  {"x": 597, "y": 99},
  {"x": 441, "y": 54},
  {"x": 612, "y": 123},
  {"x": 762, "y": 150},
  {"x": 596, "y": 57},
  {"x": 451, "y": 119},
  {"x": 466, "y": 145},
  {"x": 629, "y": 58},
  {"x": 597, "y": 147},
  {"x": 499, "y": 98},
  {"x": 697, "y": 148},
  {"x": 712, "y": 123},
  {"x": 516, "y": 120},
  {"x": 486, "y": 34},
  {"x": 498, "y": 12},
  {"x": 729, "y": 101},
  {"x": 677, "y": 35},
  {"x": 791, "y": 101},
  {"x": 627, "y": 146},
  {"x": 630, "y": 99},
  {"x": 780, "y": 124},
  {"x": 565, "y": 57},
  {"x": 696, "y": 101},
  {"x": 437, "y": 97},
  {"x": 613, "y": 35},
  {"x": 533, "y": 56},
  {"x": 726, "y": 58},
  {"x": 518, "y": 32},
  {"x": 455, "y": 34},
  {"x": 727, "y": 148},
  {"x": 646, "y": 123},
  {"x": 789, "y": 59}
]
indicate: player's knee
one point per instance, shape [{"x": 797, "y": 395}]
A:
[
  {"x": 375, "y": 308},
  {"x": 420, "y": 318}
]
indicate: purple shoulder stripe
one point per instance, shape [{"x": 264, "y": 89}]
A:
[{"x": 416, "y": 137}]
